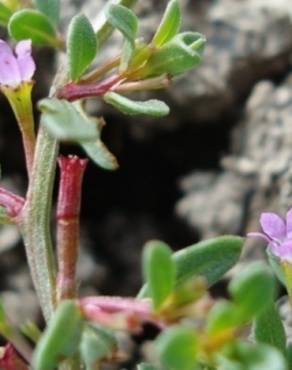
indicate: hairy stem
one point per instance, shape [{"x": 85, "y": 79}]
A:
[{"x": 35, "y": 222}]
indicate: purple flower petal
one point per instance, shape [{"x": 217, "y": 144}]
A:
[
  {"x": 9, "y": 71},
  {"x": 283, "y": 251},
  {"x": 25, "y": 61},
  {"x": 273, "y": 225},
  {"x": 260, "y": 236},
  {"x": 289, "y": 223}
]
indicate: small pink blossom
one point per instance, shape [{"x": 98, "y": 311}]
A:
[
  {"x": 277, "y": 232},
  {"x": 16, "y": 67}
]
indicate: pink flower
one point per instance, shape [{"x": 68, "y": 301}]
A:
[
  {"x": 277, "y": 232},
  {"x": 17, "y": 67}
]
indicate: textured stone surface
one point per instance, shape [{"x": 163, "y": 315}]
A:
[{"x": 257, "y": 174}]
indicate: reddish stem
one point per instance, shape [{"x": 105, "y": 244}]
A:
[
  {"x": 73, "y": 91},
  {"x": 10, "y": 360},
  {"x": 68, "y": 209},
  {"x": 12, "y": 202}
]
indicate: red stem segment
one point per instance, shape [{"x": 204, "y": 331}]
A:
[
  {"x": 12, "y": 202},
  {"x": 10, "y": 360},
  {"x": 73, "y": 91},
  {"x": 68, "y": 209}
]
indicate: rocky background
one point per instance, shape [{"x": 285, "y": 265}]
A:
[{"x": 221, "y": 157}]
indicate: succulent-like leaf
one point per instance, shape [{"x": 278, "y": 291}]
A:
[
  {"x": 210, "y": 258},
  {"x": 61, "y": 337},
  {"x": 34, "y": 25},
  {"x": 268, "y": 328},
  {"x": 177, "y": 348},
  {"x": 246, "y": 288},
  {"x": 81, "y": 45},
  {"x": 5, "y": 14},
  {"x": 126, "y": 22},
  {"x": 222, "y": 316},
  {"x": 51, "y": 8},
  {"x": 179, "y": 55},
  {"x": 100, "y": 154},
  {"x": 169, "y": 25},
  {"x": 159, "y": 271},
  {"x": 155, "y": 108},
  {"x": 247, "y": 356},
  {"x": 123, "y": 19},
  {"x": 66, "y": 123},
  {"x": 95, "y": 345}
]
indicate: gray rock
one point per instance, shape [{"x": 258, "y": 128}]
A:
[{"x": 257, "y": 174}]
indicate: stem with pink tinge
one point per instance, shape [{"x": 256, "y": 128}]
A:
[{"x": 68, "y": 210}]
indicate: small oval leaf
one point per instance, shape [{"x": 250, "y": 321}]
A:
[
  {"x": 95, "y": 345},
  {"x": 34, "y": 25},
  {"x": 123, "y": 19},
  {"x": 180, "y": 54},
  {"x": 246, "y": 288},
  {"x": 81, "y": 45},
  {"x": 126, "y": 22},
  {"x": 61, "y": 337},
  {"x": 155, "y": 108},
  {"x": 159, "y": 271},
  {"x": 210, "y": 258},
  {"x": 65, "y": 122},
  {"x": 5, "y": 14},
  {"x": 169, "y": 25},
  {"x": 99, "y": 153},
  {"x": 268, "y": 328},
  {"x": 51, "y": 8},
  {"x": 247, "y": 356},
  {"x": 177, "y": 348}
]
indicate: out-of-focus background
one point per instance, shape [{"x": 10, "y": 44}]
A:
[{"x": 222, "y": 156}]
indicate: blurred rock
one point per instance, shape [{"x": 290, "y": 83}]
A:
[{"x": 257, "y": 174}]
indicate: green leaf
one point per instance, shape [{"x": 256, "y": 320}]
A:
[
  {"x": 5, "y": 14},
  {"x": 169, "y": 25},
  {"x": 210, "y": 259},
  {"x": 34, "y": 25},
  {"x": 100, "y": 154},
  {"x": 274, "y": 262},
  {"x": 123, "y": 19},
  {"x": 222, "y": 316},
  {"x": 177, "y": 56},
  {"x": 246, "y": 288},
  {"x": 95, "y": 345},
  {"x": 61, "y": 337},
  {"x": 155, "y": 108},
  {"x": 4, "y": 218},
  {"x": 67, "y": 123},
  {"x": 268, "y": 328},
  {"x": 159, "y": 271},
  {"x": 126, "y": 22},
  {"x": 177, "y": 348},
  {"x": 247, "y": 356},
  {"x": 51, "y": 8},
  {"x": 81, "y": 45}
]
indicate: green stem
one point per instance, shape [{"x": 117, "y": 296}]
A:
[
  {"x": 20, "y": 101},
  {"x": 287, "y": 267},
  {"x": 35, "y": 222}
]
